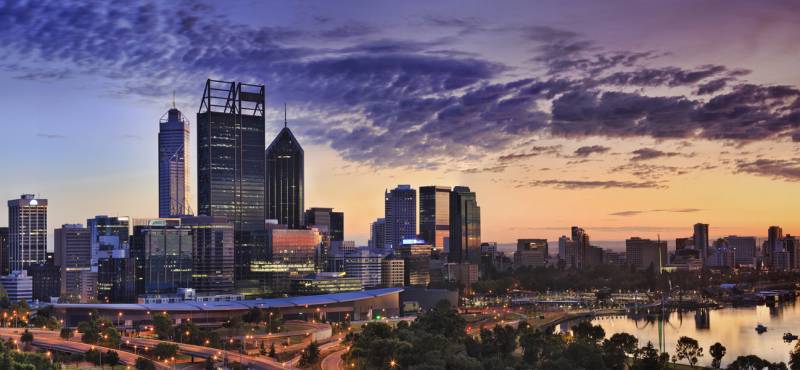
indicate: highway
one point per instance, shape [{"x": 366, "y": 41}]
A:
[
  {"x": 333, "y": 361},
  {"x": 50, "y": 340}
]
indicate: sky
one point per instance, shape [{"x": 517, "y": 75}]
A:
[{"x": 627, "y": 118}]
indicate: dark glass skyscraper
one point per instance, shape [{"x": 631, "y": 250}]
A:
[
  {"x": 400, "y": 209},
  {"x": 230, "y": 163},
  {"x": 434, "y": 214},
  {"x": 173, "y": 165},
  {"x": 465, "y": 226},
  {"x": 284, "y": 180},
  {"x": 329, "y": 223}
]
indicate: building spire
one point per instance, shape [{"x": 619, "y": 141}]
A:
[{"x": 285, "y": 123}]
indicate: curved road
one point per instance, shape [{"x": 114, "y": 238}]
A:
[{"x": 333, "y": 361}]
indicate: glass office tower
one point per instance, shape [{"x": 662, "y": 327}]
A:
[
  {"x": 284, "y": 180},
  {"x": 434, "y": 214},
  {"x": 173, "y": 165},
  {"x": 465, "y": 227},
  {"x": 230, "y": 163}
]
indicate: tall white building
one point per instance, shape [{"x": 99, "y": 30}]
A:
[
  {"x": 27, "y": 234},
  {"x": 365, "y": 264}
]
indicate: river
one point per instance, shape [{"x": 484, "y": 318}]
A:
[{"x": 734, "y": 327}]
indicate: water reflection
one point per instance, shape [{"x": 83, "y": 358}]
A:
[{"x": 734, "y": 327}]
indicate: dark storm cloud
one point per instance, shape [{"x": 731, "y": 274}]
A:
[
  {"x": 594, "y": 184},
  {"x": 644, "y": 154},
  {"x": 387, "y": 102},
  {"x": 782, "y": 169},
  {"x": 586, "y": 151}
]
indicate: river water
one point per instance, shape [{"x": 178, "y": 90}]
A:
[{"x": 733, "y": 327}]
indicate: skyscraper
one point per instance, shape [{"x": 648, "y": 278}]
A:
[
  {"x": 73, "y": 252},
  {"x": 434, "y": 214},
  {"x": 230, "y": 163},
  {"x": 701, "y": 240},
  {"x": 400, "y": 208},
  {"x": 173, "y": 164},
  {"x": 774, "y": 244},
  {"x": 162, "y": 255},
  {"x": 645, "y": 254},
  {"x": 212, "y": 244},
  {"x": 329, "y": 223},
  {"x": 27, "y": 224},
  {"x": 4, "y": 251},
  {"x": 377, "y": 233},
  {"x": 465, "y": 226},
  {"x": 284, "y": 180},
  {"x": 108, "y": 234}
]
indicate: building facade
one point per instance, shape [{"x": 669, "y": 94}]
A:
[
  {"x": 465, "y": 227},
  {"x": 400, "y": 211},
  {"x": 434, "y": 215},
  {"x": 644, "y": 254},
  {"x": 18, "y": 286},
  {"x": 285, "y": 180},
  {"x": 531, "y": 253},
  {"x": 700, "y": 240},
  {"x": 162, "y": 255},
  {"x": 4, "y": 268},
  {"x": 73, "y": 252},
  {"x": 212, "y": 253},
  {"x": 377, "y": 231},
  {"x": 230, "y": 164},
  {"x": 27, "y": 231},
  {"x": 173, "y": 165},
  {"x": 744, "y": 249},
  {"x": 417, "y": 263},
  {"x": 45, "y": 281}
]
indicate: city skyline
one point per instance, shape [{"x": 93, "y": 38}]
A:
[{"x": 666, "y": 163}]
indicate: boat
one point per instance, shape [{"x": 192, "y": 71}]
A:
[
  {"x": 789, "y": 337},
  {"x": 761, "y": 328}
]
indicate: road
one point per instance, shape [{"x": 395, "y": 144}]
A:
[
  {"x": 50, "y": 340},
  {"x": 333, "y": 361}
]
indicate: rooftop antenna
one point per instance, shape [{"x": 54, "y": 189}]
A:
[
  {"x": 173, "y": 99},
  {"x": 285, "y": 123}
]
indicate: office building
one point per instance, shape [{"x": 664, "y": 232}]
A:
[
  {"x": 416, "y": 256},
  {"x": 107, "y": 234},
  {"x": 744, "y": 249},
  {"x": 365, "y": 264},
  {"x": 284, "y": 180},
  {"x": 4, "y": 268},
  {"x": 329, "y": 223},
  {"x": 683, "y": 243},
  {"x": 27, "y": 231},
  {"x": 230, "y": 164},
  {"x": 531, "y": 253},
  {"x": 73, "y": 252},
  {"x": 569, "y": 252},
  {"x": 400, "y": 208},
  {"x": 700, "y": 240},
  {"x": 377, "y": 232},
  {"x": 18, "y": 286},
  {"x": 162, "y": 255},
  {"x": 325, "y": 283},
  {"x": 116, "y": 277},
  {"x": 465, "y": 227},
  {"x": 393, "y": 272},
  {"x": 212, "y": 252},
  {"x": 45, "y": 280},
  {"x": 644, "y": 254},
  {"x": 434, "y": 215},
  {"x": 791, "y": 246},
  {"x": 773, "y": 245},
  {"x": 173, "y": 165},
  {"x": 289, "y": 253}
]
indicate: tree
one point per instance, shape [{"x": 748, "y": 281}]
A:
[
  {"x": 717, "y": 352},
  {"x": 111, "y": 358},
  {"x": 209, "y": 364},
  {"x": 617, "y": 349},
  {"x": 26, "y": 337},
  {"x": 310, "y": 355},
  {"x": 588, "y": 332},
  {"x": 648, "y": 358},
  {"x": 688, "y": 350},
  {"x": 272, "y": 352},
  {"x": 165, "y": 350},
  {"x": 144, "y": 364},
  {"x": 163, "y": 326},
  {"x": 66, "y": 333},
  {"x": 94, "y": 356},
  {"x": 752, "y": 362},
  {"x": 794, "y": 358}
]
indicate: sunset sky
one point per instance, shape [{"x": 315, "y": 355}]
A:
[{"x": 627, "y": 118}]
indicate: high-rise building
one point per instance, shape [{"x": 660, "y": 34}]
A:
[
  {"x": 173, "y": 164},
  {"x": 377, "y": 233},
  {"x": 230, "y": 163},
  {"x": 400, "y": 211},
  {"x": 162, "y": 255},
  {"x": 744, "y": 249},
  {"x": 772, "y": 245},
  {"x": 700, "y": 239},
  {"x": 73, "y": 252},
  {"x": 4, "y": 269},
  {"x": 289, "y": 253},
  {"x": 18, "y": 285},
  {"x": 416, "y": 256},
  {"x": 366, "y": 265},
  {"x": 683, "y": 243},
  {"x": 393, "y": 272},
  {"x": 645, "y": 253},
  {"x": 329, "y": 223},
  {"x": 284, "y": 180},
  {"x": 434, "y": 214},
  {"x": 45, "y": 281},
  {"x": 212, "y": 250},
  {"x": 531, "y": 253},
  {"x": 27, "y": 224},
  {"x": 116, "y": 277},
  {"x": 108, "y": 234},
  {"x": 465, "y": 227}
]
